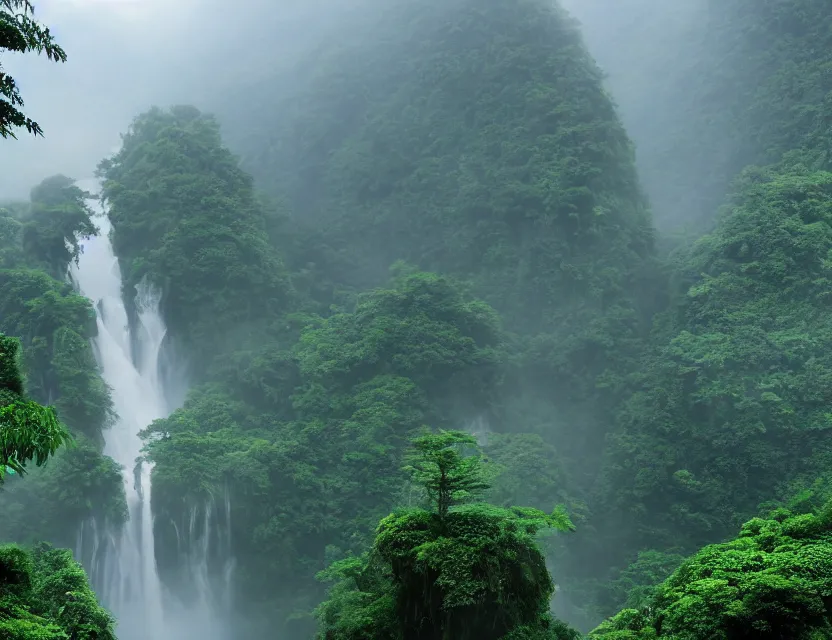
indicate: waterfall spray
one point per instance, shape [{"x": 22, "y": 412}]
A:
[{"x": 122, "y": 561}]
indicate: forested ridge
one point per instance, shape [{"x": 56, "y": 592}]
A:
[
  {"x": 419, "y": 286},
  {"x": 741, "y": 83},
  {"x": 499, "y": 162}
]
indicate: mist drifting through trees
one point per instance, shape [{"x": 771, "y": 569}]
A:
[{"x": 415, "y": 320}]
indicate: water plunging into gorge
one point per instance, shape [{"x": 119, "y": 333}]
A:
[{"x": 122, "y": 560}]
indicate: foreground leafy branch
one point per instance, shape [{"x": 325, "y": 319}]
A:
[
  {"x": 19, "y": 32},
  {"x": 28, "y": 431}
]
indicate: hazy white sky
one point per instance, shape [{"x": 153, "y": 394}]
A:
[
  {"x": 84, "y": 104},
  {"x": 127, "y": 55}
]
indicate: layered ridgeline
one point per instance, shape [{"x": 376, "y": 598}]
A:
[
  {"x": 707, "y": 88},
  {"x": 473, "y": 142},
  {"x": 38, "y": 239}
]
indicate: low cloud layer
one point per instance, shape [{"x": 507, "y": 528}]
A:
[{"x": 126, "y": 55}]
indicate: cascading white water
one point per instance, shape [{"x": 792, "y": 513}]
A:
[
  {"x": 207, "y": 545},
  {"x": 126, "y": 569},
  {"x": 122, "y": 563},
  {"x": 480, "y": 429}
]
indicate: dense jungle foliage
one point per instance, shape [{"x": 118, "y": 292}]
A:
[
  {"x": 478, "y": 142},
  {"x": 186, "y": 217},
  {"x": 410, "y": 152},
  {"x": 447, "y": 569},
  {"x": 730, "y": 406},
  {"x": 38, "y": 242},
  {"x": 29, "y": 432},
  {"x": 452, "y": 233},
  {"x": 320, "y": 371},
  {"x": 474, "y": 139},
  {"x": 736, "y": 398},
  {"x": 771, "y": 581},
  {"x": 44, "y": 595}
]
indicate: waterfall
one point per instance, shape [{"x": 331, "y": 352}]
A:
[
  {"x": 122, "y": 561},
  {"x": 206, "y": 546},
  {"x": 480, "y": 429}
]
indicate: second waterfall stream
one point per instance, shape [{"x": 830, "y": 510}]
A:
[{"x": 121, "y": 560}]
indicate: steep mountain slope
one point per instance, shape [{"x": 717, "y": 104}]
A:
[
  {"x": 735, "y": 399},
  {"x": 185, "y": 217},
  {"x": 469, "y": 138},
  {"x": 707, "y": 88},
  {"x": 457, "y": 238},
  {"x": 472, "y": 139}
]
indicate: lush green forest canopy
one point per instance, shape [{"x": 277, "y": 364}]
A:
[
  {"x": 186, "y": 217},
  {"x": 771, "y": 581},
  {"x": 427, "y": 290},
  {"x": 41, "y": 312},
  {"x": 455, "y": 567},
  {"x": 474, "y": 140},
  {"x": 320, "y": 371},
  {"x": 740, "y": 369},
  {"x": 44, "y": 594}
]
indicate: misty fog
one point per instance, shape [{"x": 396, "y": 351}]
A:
[
  {"x": 127, "y": 55},
  {"x": 416, "y": 320}
]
